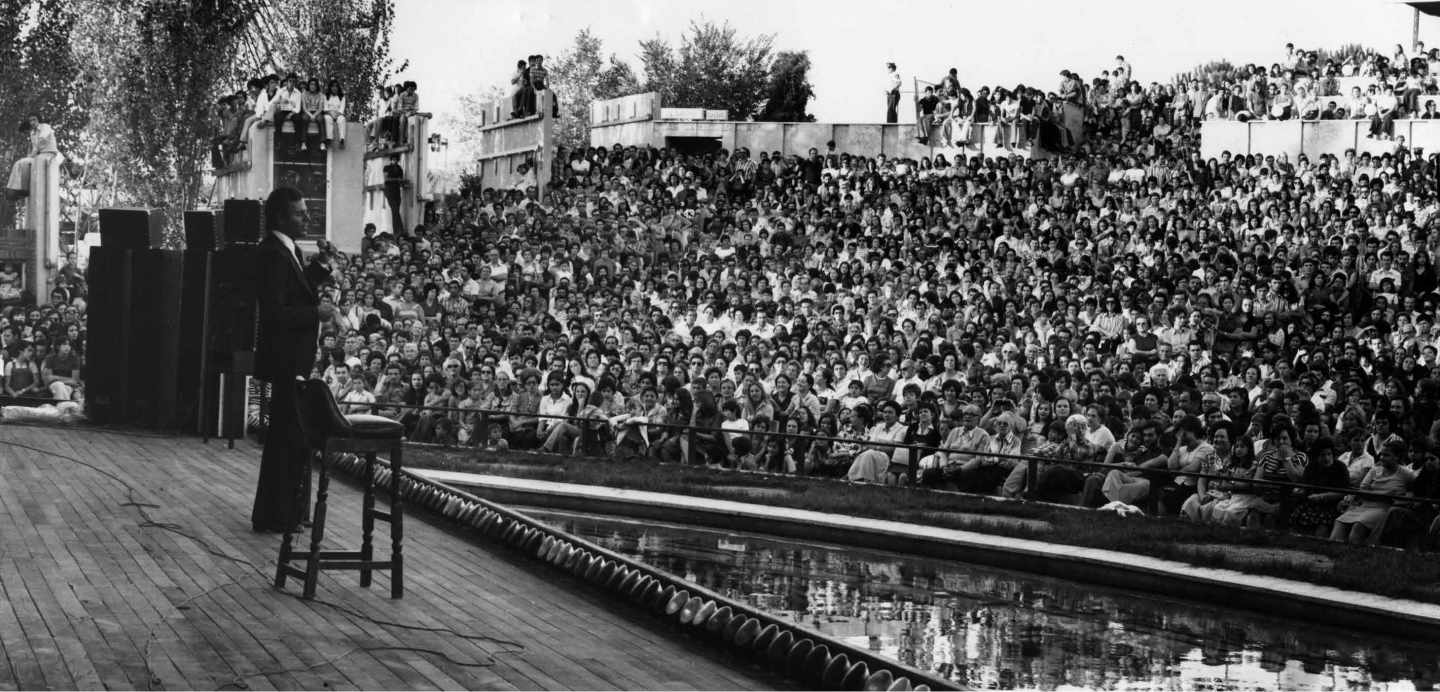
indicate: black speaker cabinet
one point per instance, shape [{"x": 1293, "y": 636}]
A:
[
  {"x": 131, "y": 229},
  {"x": 243, "y": 221},
  {"x": 229, "y": 338},
  {"x": 155, "y": 285},
  {"x": 201, "y": 230},
  {"x": 107, "y": 370},
  {"x": 194, "y": 273}
]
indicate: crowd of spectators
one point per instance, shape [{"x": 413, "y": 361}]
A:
[
  {"x": 42, "y": 349},
  {"x": 1248, "y": 317},
  {"x": 317, "y": 117}
]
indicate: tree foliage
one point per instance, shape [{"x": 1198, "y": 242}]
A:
[
  {"x": 130, "y": 87},
  {"x": 789, "y": 92},
  {"x": 349, "y": 41},
  {"x": 35, "y": 37},
  {"x": 713, "y": 68},
  {"x": 579, "y": 76}
]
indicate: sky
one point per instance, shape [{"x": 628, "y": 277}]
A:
[{"x": 455, "y": 47}]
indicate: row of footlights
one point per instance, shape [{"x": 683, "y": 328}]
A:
[{"x": 791, "y": 653}]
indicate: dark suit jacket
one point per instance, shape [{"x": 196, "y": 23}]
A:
[{"x": 289, "y": 299}]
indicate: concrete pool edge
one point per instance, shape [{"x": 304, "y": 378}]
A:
[{"x": 1264, "y": 594}]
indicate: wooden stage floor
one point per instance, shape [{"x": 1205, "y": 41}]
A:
[{"x": 165, "y": 587}]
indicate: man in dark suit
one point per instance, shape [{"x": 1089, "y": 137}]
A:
[{"x": 290, "y": 315}]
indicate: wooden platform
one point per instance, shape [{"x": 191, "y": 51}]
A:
[{"x": 165, "y": 587}]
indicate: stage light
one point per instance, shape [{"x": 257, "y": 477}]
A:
[
  {"x": 797, "y": 657},
  {"x": 879, "y": 681},
  {"x": 780, "y": 648},
  {"x": 834, "y": 673},
  {"x": 677, "y": 602},
  {"x": 747, "y": 633},
  {"x": 855, "y": 677}
]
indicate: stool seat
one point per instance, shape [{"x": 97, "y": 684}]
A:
[{"x": 371, "y": 427}]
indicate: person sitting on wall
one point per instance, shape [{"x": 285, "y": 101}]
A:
[
  {"x": 334, "y": 129},
  {"x": 42, "y": 141},
  {"x": 286, "y": 104}
]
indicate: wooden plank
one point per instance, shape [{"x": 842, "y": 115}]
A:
[{"x": 106, "y": 590}]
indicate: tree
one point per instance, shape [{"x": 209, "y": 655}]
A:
[
  {"x": 714, "y": 68},
  {"x": 579, "y": 76},
  {"x": 789, "y": 91},
  {"x": 348, "y": 41},
  {"x": 463, "y": 126},
  {"x": 183, "y": 59},
  {"x": 35, "y": 38},
  {"x": 658, "y": 61},
  {"x": 148, "y": 74}
]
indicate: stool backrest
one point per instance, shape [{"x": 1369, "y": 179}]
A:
[{"x": 320, "y": 415}]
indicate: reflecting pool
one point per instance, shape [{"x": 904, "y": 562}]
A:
[{"x": 996, "y": 629}]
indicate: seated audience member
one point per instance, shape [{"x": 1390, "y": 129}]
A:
[
  {"x": 1363, "y": 517},
  {"x": 42, "y": 141},
  {"x": 334, "y": 115}
]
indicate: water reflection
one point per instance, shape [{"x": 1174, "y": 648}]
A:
[{"x": 994, "y": 629}]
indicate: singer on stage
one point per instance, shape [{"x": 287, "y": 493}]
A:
[{"x": 290, "y": 316}]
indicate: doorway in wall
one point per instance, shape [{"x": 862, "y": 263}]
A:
[{"x": 693, "y": 145}]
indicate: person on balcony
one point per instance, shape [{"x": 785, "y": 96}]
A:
[
  {"x": 286, "y": 106},
  {"x": 334, "y": 114},
  {"x": 312, "y": 112},
  {"x": 892, "y": 94},
  {"x": 42, "y": 141}
]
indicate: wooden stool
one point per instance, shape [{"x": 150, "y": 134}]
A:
[{"x": 327, "y": 431}]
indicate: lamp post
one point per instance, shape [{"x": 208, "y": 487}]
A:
[{"x": 437, "y": 143}]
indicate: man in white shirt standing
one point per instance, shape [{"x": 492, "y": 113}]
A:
[{"x": 892, "y": 94}]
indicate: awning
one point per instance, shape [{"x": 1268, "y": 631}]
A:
[{"x": 1430, "y": 8}]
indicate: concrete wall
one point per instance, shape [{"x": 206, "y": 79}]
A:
[
  {"x": 630, "y": 108},
  {"x": 1311, "y": 137},
  {"x": 253, "y": 177},
  {"x": 414, "y": 161},
  {"x": 345, "y": 190},
  {"x": 798, "y": 138},
  {"x": 506, "y": 143},
  {"x": 42, "y": 216}
]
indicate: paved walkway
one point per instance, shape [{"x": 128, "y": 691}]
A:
[
  {"x": 165, "y": 587},
  {"x": 1425, "y": 613}
]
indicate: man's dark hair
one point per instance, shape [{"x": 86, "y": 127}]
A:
[{"x": 278, "y": 203}]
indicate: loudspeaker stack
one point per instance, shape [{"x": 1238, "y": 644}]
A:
[{"x": 171, "y": 333}]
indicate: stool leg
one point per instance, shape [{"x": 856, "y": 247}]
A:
[
  {"x": 397, "y": 524},
  {"x": 285, "y": 545},
  {"x": 317, "y": 531},
  {"x": 367, "y": 522}
]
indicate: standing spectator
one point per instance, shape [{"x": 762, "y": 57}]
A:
[
  {"x": 892, "y": 94},
  {"x": 408, "y": 104},
  {"x": 519, "y": 88},
  {"x": 394, "y": 185},
  {"x": 1072, "y": 108},
  {"x": 539, "y": 79}
]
